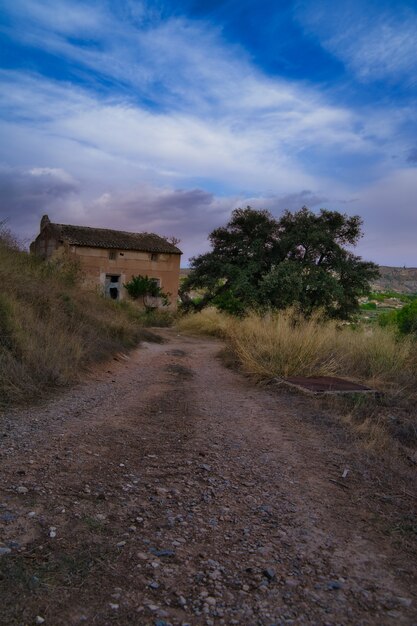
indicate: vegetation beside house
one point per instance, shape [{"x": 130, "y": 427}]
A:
[
  {"x": 50, "y": 328},
  {"x": 302, "y": 259}
]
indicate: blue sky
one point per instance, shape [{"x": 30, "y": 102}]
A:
[{"x": 164, "y": 116}]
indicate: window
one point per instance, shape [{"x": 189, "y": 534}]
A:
[
  {"x": 154, "y": 256},
  {"x": 112, "y": 255},
  {"x": 157, "y": 281}
]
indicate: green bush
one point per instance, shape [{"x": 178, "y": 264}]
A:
[
  {"x": 368, "y": 306},
  {"x": 228, "y": 303},
  {"x": 407, "y": 318},
  {"x": 388, "y": 318},
  {"x": 143, "y": 286}
]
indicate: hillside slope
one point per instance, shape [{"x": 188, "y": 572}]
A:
[
  {"x": 50, "y": 328},
  {"x": 400, "y": 279}
]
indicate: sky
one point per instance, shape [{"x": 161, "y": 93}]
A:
[{"x": 163, "y": 116}]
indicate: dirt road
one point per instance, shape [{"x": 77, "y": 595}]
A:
[{"x": 167, "y": 489}]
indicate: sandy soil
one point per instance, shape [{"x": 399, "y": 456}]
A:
[{"x": 167, "y": 489}]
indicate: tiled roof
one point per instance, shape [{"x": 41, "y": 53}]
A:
[{"x": 117, "y": 239}]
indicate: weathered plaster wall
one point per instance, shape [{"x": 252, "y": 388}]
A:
[{"x": 96, "y": 264}]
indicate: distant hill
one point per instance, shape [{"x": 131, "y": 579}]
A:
[{"x": 399, "y": 279}]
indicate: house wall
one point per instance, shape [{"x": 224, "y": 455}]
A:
[
  {"x": 44, "y": 245},
  {"x": 96, "y": 264}
]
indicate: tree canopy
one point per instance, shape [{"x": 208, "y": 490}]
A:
[{"x": 299, "y": 259}]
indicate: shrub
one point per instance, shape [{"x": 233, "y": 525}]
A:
[
  {"x": 50, "y": 328},
  {"x": 407, "y": 318},
  {"x": 388, "y": 318},
  {"x": 145, "y": 287},
  {"x": 210, "y": 321},
  {"x": 283, "y": 343}
]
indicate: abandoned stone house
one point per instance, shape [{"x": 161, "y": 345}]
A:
[{"x": 109, "y": 258}]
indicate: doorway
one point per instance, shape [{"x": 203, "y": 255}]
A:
[{"x": 112, "y": 286}]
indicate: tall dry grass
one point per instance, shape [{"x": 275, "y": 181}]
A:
[
  {"x": 209, "y": 321},
  {"x": 283, "y": 344},
  {"x": 50, "y": 328}
]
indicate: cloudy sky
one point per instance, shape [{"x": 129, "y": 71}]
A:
[{"x": 164, "y": 115}]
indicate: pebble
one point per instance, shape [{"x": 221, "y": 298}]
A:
[
  {"x": 120, "y": 544},
  {"x": 333, "y": 585},
  {"x": 39, "y": 619},
  {"x": 22, "y": 490},
  {"x": 4, "y": 551},
  {"x": 270, "y": 573},
  {"x": 115, "y": 607},
  {"x": 52, "y": 532},
  {"x": 153, "y": 584},
  {"x": 407, "y": 602},
  {"x": 160, "y": 553}
]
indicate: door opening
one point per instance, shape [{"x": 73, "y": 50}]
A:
[{"x": 112, "y": 286}]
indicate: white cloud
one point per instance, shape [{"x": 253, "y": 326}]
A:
[
  {"x": 194, "y": 130},
  {"x": 375, "y": 41},
  {"x": 54, "y": 174},
  {"x": 254, "y": 150}
]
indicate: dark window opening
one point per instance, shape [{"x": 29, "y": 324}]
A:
[
  {"x": 154, "y": 256},
  {"x": 112, "y": 255},
  {"x": 112, "y": 286}
]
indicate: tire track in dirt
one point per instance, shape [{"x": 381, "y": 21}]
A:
[{"x": 183, "y": 494}]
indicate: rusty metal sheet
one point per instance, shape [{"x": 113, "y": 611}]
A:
[{"x": 326, "y": 384}]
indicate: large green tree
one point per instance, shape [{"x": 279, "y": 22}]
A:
[{"x": 302, "y": 259}]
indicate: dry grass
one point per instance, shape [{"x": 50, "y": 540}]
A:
[
  {"x": 281, "y": 344},
  {"x": 50, "y": 328},
  {"x": 276, "y": 345},
  {"x": 209, "y": 322}
]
